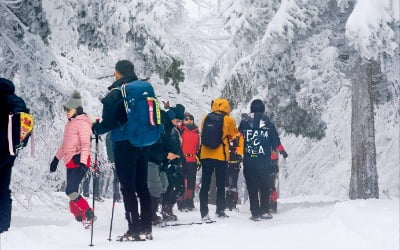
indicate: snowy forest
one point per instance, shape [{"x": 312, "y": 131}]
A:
[{"x": 327, "y": 70}]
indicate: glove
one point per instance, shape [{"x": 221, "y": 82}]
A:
[
  {"x": 53, "y": 165},
  {"x": 284, "y": 154}
]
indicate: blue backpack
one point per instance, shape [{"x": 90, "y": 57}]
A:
[{"x": 143, "y": 127}]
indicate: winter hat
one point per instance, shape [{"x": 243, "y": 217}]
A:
[
  {"x": 177, "y": 112},
  {"x": 180, "y": 111},
  {"x": 124, "y": 67},
  {"x": 74, "y": 102},
  {"x": 189, "y": 115},
  {"x": 257, "y": 106}
]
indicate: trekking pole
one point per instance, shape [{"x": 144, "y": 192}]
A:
[
  {"x": 95, "y": 166},
  {"x": 113, "y": 204}
]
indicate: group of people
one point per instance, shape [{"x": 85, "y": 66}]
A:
[{"x": 165, "y": 171}]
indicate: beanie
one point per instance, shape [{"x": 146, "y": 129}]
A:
[
  {"x": 257, "y": 106},
  {"x": 74, "y": 102},
  {"x": 124, "y": 67},
  {"x": 177, "y": 112}
]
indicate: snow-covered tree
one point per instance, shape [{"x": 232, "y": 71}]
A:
[{"x": 371, "y": 32}]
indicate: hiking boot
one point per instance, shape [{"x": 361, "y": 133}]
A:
[
  {"x": 147, "y": 235},
  {"x": 221, "y": 214},
  {"x": 99, "y": 199},
  {"x": 156, "y": 220},
  {"x": 131, "y": 236},
  {"x": 206, "y": 218},
  {"x": 255, "y": 218},
  {"x": 266, "y": 216},
  {"x": 167, "y": 213}
]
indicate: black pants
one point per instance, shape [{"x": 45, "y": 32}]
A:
[
  {"x": 257, "y": 177},
  {"x": 232, "y": 175},
  {"x": 131, "y": 167},
  {"x": 189, "y": 171},
  {"x": 208, "y": 166},
  {"x": 176, "y": 184},
  {"x": 6, "y": 163},
  {"x": 86, "y": 184},
  {"x": 74, "y": 179}
]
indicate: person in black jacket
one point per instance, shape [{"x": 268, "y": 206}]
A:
[
  {"x": 9, "y": 103},
  {"x": 260, "y": 138},
  {"x": 130, "y": 162},
  {"x": 172, "y": 157}
]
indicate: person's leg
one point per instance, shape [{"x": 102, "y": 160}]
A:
[
  {"x": 85, "y": 185},
  {"x": 5, "y": 192},
  {"x": 79, "y": 207},
  {"x": 207, "y": 170},
  {"x": 125, "y": 166},
  {"x": 263, "y": 180},
  {"x": 191, "y": 184},
  {"x": 252, "y": 188},
  {"x": 220, "y": 174},
  {"x": 143, "y": 191}
]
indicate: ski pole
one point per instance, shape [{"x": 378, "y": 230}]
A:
[
  {"x": 95, "y": 166},
  {"x": 113, "y": 204}
]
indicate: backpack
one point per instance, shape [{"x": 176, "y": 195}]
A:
[
  {"x": 211, "y": 136},
  {"x": 20, "y": 125},
  {"x": 144, "y": 126}
]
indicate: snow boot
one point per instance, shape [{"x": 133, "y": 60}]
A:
[
  {"x": 221, "y": 214},
  {"x": 79, "y": 207},
  {"x": 167, "y": 213}
]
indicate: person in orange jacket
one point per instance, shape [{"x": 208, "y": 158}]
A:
[{"x": 218, "y": 128}]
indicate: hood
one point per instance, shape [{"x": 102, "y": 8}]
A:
[
  {"x": 221, "y": 105},
  {"x": 6, "y": 86},
  {"x": 83, "y": 117},
  {"x": 128, "y": 78}
]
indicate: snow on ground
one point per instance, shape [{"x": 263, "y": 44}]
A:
[{"x": 307, "y": 223}]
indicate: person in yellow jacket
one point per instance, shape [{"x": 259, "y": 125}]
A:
[{"x": 218, "y": 128}]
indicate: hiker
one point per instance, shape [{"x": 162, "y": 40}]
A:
[
  {"x": 190, "y": 148},
  {"x": 9, "y": 103},
  {"x": 131, "y": 157},
  {"x": 172, "y": 160},
  {"x": 75, "y": 152},
  {"x": 218, "y": 128},
  {"x": 260, "y": 138}
]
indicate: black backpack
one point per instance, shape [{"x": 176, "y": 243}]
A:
[{"x": 211, "y": 136}]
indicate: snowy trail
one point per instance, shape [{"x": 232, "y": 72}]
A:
[{"x": 302, "y": 223}]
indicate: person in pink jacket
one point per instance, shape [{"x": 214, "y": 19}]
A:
[{"x": 75, "y": 152}]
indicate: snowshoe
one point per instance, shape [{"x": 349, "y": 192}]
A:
[
  {"x": 206, "y": 218},
  {"x": 255, "y": 218},
  {"x": 88, "y": 223},
  {"x": 128, "y": 236},
  {"x": 147, "y": 236},
  {"x": 99, "y": 199},
  {"x": 266, "y": 216},
  {"x": 221, "y": 214}
]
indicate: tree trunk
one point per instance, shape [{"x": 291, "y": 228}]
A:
[{"x": 364, "y": 175}]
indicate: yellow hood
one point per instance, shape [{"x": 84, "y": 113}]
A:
[{"x": 221, "y": 105}]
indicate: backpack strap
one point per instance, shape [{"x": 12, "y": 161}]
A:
[{"x": 123, "y": 92}]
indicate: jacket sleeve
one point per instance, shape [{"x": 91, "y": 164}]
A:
[
  {"x": 84, "y": 132},
  {"x": 60, "y": 153},
  {"x": 114, "y": 114}
]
